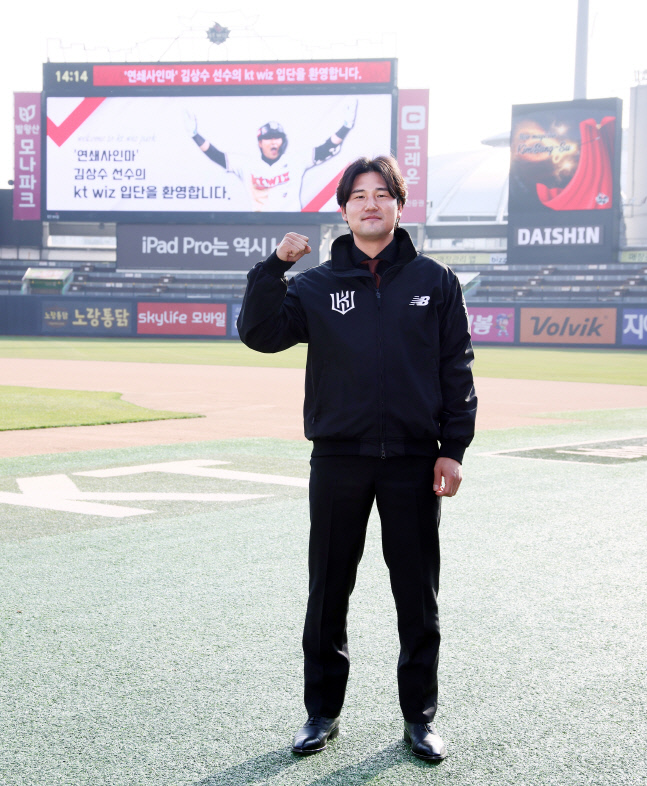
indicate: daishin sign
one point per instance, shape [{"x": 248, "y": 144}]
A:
[{"x": 564, "y": 202}]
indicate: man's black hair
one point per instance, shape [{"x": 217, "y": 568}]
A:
[{"x": 386, "y": 166}]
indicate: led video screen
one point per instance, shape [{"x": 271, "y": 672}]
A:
[{"x": 192, "y": 150}]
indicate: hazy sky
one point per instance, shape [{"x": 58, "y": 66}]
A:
[{"x": 477, "y": 58}]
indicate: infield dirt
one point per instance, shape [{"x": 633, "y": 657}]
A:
[{"x": 239, "y": 401}]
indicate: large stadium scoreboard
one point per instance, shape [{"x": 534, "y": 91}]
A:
[{"x": 192, "y": 142}]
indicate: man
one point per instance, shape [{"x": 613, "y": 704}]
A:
[
  {"x": 274, "y": 179},
  {"x": 388, "y": 377}
]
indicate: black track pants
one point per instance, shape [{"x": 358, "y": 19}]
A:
[{"x": 342, "y": 490}]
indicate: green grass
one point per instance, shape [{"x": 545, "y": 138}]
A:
[
  {"x": 207, "y": 353},
  {"x": 616, "y": 367},
  {"x": 27, "y": 408},
  {"x": 626, "y": 367}
]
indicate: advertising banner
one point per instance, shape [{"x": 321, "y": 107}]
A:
[
  {"x": 564, "y": 200},
  {"x": 634, "y": 326},
  {"x": 204, "y": 247},
  {"x": 633, "y": 256},
  {"x": 345, "y": 72},
  {"x": 235, "y": 311},
  {"x": 27, "y": 147},
  {"x": 413, "y": 134},
  {"x": 182, "y": 319},
  {"x": 81, "y": 317},
  {"x": 568, "y": 326},
  {"x": 67, "y": 78},
  {"x": 204, "y": 155},
  {"x": 479, "y": 258},
  {"x": 492, "y": 324}
]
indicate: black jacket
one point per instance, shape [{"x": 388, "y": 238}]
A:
[{"x": 389, "y": 370}]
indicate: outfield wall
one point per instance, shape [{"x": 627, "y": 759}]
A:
[{"x": 561, "y": 325}]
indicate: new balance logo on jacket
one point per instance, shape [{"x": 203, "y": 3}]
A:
[{"x": 420, "y": 300}]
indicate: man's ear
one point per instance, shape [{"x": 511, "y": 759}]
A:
[{"x": 343, "y": 213}]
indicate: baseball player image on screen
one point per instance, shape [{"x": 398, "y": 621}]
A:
[{"x": 274, "y": 179}]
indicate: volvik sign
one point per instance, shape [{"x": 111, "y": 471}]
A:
[{"x": 568, "y": 326}]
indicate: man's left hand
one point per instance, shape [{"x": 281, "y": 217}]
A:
[{"x": 447, "y": 477}]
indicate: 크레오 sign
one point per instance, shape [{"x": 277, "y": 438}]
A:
[{"x": 413, "y": 132}]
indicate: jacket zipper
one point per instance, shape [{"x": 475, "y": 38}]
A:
[{"x": 380, "y": 357}]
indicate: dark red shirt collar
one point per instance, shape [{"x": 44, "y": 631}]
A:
[{"x": 387, "y": 256}]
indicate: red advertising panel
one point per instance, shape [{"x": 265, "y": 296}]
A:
[
  {"x": 271, "y": 73},
  {"x": 181, "y": 319},
  {"x": 568, "y": 326},
  {"x": 27, "y": 176},
  {"x": 492, "y": 324},
  {"x": 564, "y": 199},
  {"x": 413, "y": 132}
]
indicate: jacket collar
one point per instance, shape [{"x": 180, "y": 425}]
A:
[{"x": 341, "y": 261}]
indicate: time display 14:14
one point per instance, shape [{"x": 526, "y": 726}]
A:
[{"x": 71, "y": 76}]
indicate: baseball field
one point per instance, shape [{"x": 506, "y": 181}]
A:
[{"x": 154, "y": 575}]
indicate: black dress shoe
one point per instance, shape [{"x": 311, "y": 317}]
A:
[
  {"x": 313, "y": 737},
  {"x": 425, "y": 741}
]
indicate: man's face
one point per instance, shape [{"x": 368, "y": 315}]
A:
[
  {"x": 371, "y": 211},
  {"x": 271, "y": 147}
]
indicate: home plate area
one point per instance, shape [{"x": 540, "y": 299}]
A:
[{"x": 115, "y": 497}]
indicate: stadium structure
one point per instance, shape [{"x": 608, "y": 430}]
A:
[{"x": 466, "y": 227}]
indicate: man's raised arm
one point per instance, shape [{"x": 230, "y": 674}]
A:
[{"x": 271, "y": 318}]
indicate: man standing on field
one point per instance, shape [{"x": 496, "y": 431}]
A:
[{"x": 390, "y": 408}]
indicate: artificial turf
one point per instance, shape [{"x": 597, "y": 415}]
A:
[
  {"x": 28, "y": 408},
  {"x": 164, "y": 650}
]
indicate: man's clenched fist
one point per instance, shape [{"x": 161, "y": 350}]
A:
[{"x": 293, "y": 247}]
